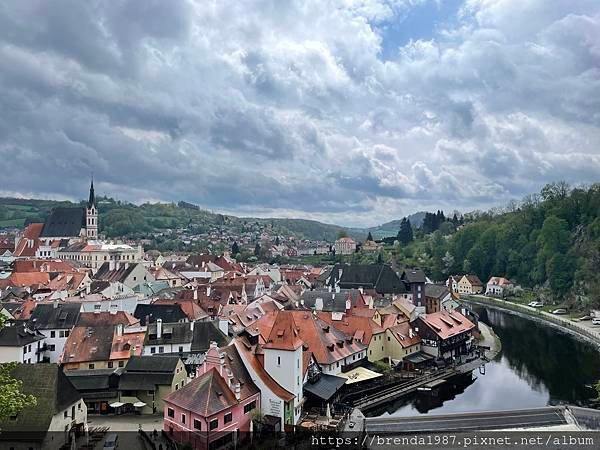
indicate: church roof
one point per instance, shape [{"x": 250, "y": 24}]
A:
[
  {"x": 64, "y": 222},
  {"x": 92, "y": 199}
]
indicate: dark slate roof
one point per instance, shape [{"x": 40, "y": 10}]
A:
[
  {"x": 152, "y": 364},
  {"x": 98, "y": 286},
  {"x": 64, "y": 222},
  {"x": 148, "y": 372},
  {"x": 11, "y": 307},
  {"x": 172, "y": 333},
  {"x": 325, "y": 387},
  {"x": 205, "y": 333},
  {"x": 91, "y": 380},
  {"x": 134, "y": 381},
  {"x": 380, "y": 277},
  {"x": 104, "y": 273},
  {"x": 414, "y": 276},
  {"x": 47, "y": 316},
  {"x": 168, "y": 313},
  {"x": 18, "y": 336},
  {"x": 332, "y": 301},
  {"x": 53, "y": 391},
  {"x": 438, "y": 291}
]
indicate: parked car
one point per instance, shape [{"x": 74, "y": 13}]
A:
[
  {"x": 536, "y": 304},
  {"x": 111, "y": 442},
  {"x": 596, "y": 321},
  {"x": 587, "y": 317},
  {"x": 559, "y": 311}
]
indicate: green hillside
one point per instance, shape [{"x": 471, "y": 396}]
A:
[{"x": 119, "y": 219}]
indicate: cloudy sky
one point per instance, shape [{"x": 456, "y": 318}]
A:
[{"x": 348, "y": 111}]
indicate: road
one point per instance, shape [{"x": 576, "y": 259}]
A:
[{"x": 495, "y": 420}]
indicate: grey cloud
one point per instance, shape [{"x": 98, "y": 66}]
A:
[{"x": 287, "y": 106}]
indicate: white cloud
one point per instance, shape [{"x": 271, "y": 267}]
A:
[{"x": 288, "y": 108}]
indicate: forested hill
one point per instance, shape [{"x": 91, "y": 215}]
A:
[
  {"x": 550, "y": 241},
  {"x": 120, "y": 219}
]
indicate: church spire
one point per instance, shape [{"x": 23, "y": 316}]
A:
[{"x": 92, "y": 200}]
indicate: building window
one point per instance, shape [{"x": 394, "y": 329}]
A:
[
  {"x": 249, "y": 407},
  {"x": 52, "y": 347},
  {"x": 227, "y": 418},
  {"x": 150, "y": 392},
  {"x": 65, "y": 414},
  {"x": 214, "y": 424},
  {"x": 121, "y": 363},
  {"x": 161, "y": 349},
  {"x": 180, "y": 349},
  {"x": 153, "y": 350},
  {"x": 197, "y": 424},
  {"x": 171, "y": 412},
  {"x": 90, "y": 366},
  {"x": 110, "y": 364},
  {"x": 183, "y": 418},
  {"x": 279, "y": 360},
  {"x": 53, "y": 334}
]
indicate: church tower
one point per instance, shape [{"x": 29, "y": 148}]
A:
[{"x": 91, "y": 215}]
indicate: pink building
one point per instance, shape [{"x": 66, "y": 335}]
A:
[{"x": 216, "y": 407}]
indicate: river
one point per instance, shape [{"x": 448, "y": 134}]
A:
[{"x": 538, "y": 366}]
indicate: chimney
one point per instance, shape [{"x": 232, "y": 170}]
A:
[
  {"x": 348, "y": 304},
  {"x": 55, "y": 304},
  {"x": 319, "y": 304},
  {"x": 120, "y": 329},
  {"x": 158, "y": 328},
  {"x": 192, "y": 325},
  {"x": 195, "y": 294},
  {"x": 361, "y": 290},
  {"x": 410, "y": 333},
  {"x": 208, "y": 289},
  {"x": 238, "y": 390}
]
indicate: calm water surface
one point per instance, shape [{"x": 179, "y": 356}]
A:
[{"x": 538, "y": 366}]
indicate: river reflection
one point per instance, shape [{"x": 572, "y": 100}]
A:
[{"x": 538, "y": 366}]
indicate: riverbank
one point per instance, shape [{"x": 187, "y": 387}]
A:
[
  {"x": 491, "y": 340},
  {"x": 583, "y": 332}
]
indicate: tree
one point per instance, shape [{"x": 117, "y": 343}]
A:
[
  {"x": 235, "y": 249},
  {"x": 369, "y": 237},
  {"x": 12, "y": 399},
  {"x": 277, "y": 242},
  {"x": 257, "y": 250},
  {"x": 405, "y": 234},
  {"x": 342, "y": 234}
]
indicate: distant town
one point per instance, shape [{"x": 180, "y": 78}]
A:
[{"x": 211, "y": 348}]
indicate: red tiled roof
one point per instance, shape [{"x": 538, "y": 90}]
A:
[
  {"x": 474, "y": 280},
  {"x": 350, "y": 324},
  {"x": 127, "y": 344},
  {"x": 403, "y": 334},
  {"x": 284, "y": 333},
  {"x": 327, "y": 343},
  {"x": 27, "y": 279},
  {"x": 447, "y": 324},
  {"x": 205, "y": 395},
  {"x": 31, "y": 233}
]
